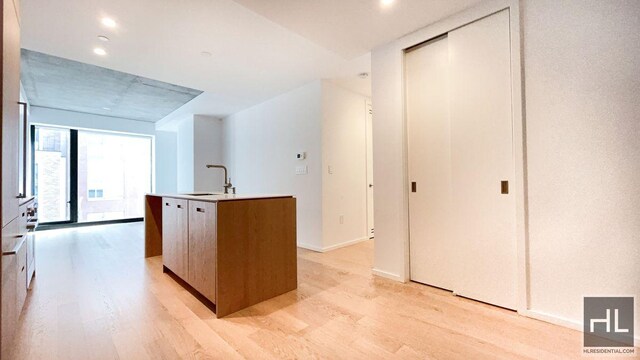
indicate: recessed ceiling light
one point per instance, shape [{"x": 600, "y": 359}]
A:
[
  {"x": 106, "y": 108},
  {"x": 109, "y": 22},
  {"x": 100, "y": 51},
  {"x": 206, "y": 54},
  {"x": 386, "y": 2},
  {"x": 103, "y": 38}
]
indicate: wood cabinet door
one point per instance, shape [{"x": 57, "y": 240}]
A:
[
  {"x": 202, "y": 248},
  {"x": 175, "y": 247},
  {"x": 10, "y": 111}
]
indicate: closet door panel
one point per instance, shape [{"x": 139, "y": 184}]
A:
[
  {"x": 482, "y": 156},
  {"x": 432, "y": 256}
]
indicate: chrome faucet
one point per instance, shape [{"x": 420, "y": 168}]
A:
[{"x": 227, "y": 180}]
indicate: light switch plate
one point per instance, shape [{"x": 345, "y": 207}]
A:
[{"x": 302, "y": 170}]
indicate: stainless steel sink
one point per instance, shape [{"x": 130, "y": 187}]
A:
[{"x": 202, "y": 194}]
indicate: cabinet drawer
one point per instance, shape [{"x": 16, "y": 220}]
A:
[
  {"x": 22, "y": 219},
  {"x": 21, "y": 270},
  {"x": 14, "y": 287},
  {"x": 9, "y": 302},
  {"x": 31, "y": 257}
]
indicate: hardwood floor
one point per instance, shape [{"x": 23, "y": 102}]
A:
[{"x": 96, "y": 297}]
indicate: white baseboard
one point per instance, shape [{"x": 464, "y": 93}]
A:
[
  {"x": 345, "y": 243},
  {"x": 387, "y": 275},
  {"x": 310, "y": 247},
  {"x": 551, "y": 319},
  {"x": 332, "y": 247},
  {"x": 556, "y": 320}
]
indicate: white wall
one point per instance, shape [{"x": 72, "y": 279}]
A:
[
  {"x": 344, "y": 190},
  {"x": 199, "y": 142},
  {"x": 328, "y": 123},
  {"x": 208, "y": 149},
  {"x": 185, "y": 156},
  {"x": 581, "y": 65},
  {"x": 164, "y": 142},
  {"x": 166, "y": 163},
  {"x": 260, "y": 147},
  {"x": 582, "y": 76},
  {"x": 78, "y": 120}
]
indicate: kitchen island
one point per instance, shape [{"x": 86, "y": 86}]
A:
[{"x": 231, "y": 251}]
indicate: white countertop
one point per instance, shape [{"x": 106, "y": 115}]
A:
[{"x": 215, "y": 197}]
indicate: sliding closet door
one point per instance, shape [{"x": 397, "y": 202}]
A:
[
  {"x": 482, "y": 160},
  {"x": 432, "y": 255}
]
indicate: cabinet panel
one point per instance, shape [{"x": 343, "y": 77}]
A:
[
  {"x": 256, "y": 252},
  {"x": 21, "y": 271},
  {"x": 175, "y": 236},
  {"x": 31, "y": 257},
  {"x": 10, "y": 111},
  {"x": 22, "y": 219},
  {"x": 202, "y": 248},
  {"x": 9, "y": 286}
]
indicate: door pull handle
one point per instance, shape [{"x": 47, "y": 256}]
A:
[{"x": 504, "y": 187}]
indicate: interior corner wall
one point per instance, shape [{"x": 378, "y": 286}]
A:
[
  {"x": 344, "y": 188},
  {"x": 261, "y": 144},
  {"x": 582, "y": 77},
  {"x": 581, "y": 64}
]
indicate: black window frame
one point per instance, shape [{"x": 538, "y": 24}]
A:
[{"x": 73, "y": 188}]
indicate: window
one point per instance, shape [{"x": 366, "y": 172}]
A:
[
  {"x": 51, "y": 173},
  {"x": 96, "y": 193},
  {"x": 87, "y": 176},
  {"x": 114, "y": 174}
]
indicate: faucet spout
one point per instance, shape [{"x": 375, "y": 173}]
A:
[{"x": 227, "y": 182}]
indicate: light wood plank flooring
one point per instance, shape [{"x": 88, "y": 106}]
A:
[{"x": 96, "y": 297}]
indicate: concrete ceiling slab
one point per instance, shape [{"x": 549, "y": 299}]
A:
[{"x": 58, "y": 83}]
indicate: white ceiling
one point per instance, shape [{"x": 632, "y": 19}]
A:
[
  {"x": 352, "y": 28},
  {"x": 257, "y": 52}
]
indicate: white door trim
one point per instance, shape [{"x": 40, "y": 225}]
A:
[{"x": 368, "y": 112}]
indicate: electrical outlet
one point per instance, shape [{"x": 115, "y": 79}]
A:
[
  {"x": 330, "y": 169},
  {"x": 341, "y": 219}
]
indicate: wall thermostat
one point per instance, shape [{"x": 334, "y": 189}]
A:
[{"x": 301, "y": 155}]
